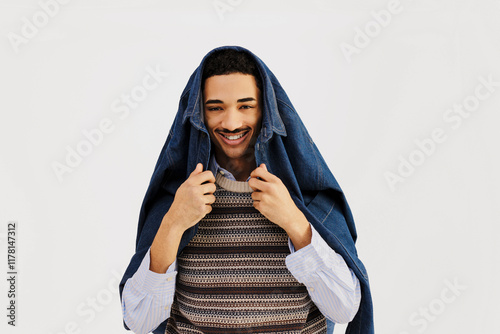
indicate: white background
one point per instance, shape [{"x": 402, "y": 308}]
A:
[{"x": 436, "y": 227}]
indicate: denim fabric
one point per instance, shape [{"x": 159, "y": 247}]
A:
[{"x": 288, "y": 151}]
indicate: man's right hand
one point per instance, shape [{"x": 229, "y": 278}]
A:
[{"x": 193, "y": 199}]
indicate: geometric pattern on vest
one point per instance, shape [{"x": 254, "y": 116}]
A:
[{"x": 232, "y": 276}]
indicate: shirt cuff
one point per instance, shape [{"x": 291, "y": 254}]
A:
[
  {"x": 151, "y": 282},
  {"x": 312, "y": 257}
]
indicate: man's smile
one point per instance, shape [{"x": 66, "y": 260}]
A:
[{"x": 233, "y": 139}]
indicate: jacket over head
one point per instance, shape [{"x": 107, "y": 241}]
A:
[{"x": 288, "y": 151}]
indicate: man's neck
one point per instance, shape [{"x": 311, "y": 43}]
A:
[{"x": 240, "y": 168}]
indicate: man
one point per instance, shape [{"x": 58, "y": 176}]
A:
[{"x": 262, "y": 240}]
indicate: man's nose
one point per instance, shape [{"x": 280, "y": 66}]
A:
[{"x": 232, "y": 120}]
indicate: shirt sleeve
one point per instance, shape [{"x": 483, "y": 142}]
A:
[
  {"x": 148, "y": 296},
  {"x": 331, "y": 284}
]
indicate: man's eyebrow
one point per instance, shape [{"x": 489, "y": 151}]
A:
[
  {"x": 213, "y": 101},
  {"x": 246, "y": 99}
]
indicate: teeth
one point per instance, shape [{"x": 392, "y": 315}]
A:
[{"x": 235, "y": 137}]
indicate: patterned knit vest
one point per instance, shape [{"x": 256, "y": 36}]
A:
[{"x": 232, "y": 276}]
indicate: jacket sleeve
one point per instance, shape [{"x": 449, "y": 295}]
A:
[
  {"x": 331, "y": 284},
  {"x": 329, "y": 213},
  {"x": 148, "y": 296}
]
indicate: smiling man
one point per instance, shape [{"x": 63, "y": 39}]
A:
[
  {"x": 233, "y": 118},
  {"x": 224, "y": 246}
]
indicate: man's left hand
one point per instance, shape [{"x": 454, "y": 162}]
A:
[{"x": 273, "y": 200}]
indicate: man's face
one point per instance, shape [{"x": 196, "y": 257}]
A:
[{"x": 233, "y": 118}]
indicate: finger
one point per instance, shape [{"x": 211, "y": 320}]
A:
[
  {"x": 258, "y": 185},
  {"x": 262, "y": 173},
  {"x": 209, "y": 199},
  {"x": 208, "y": 188},
  {"x": 203, "y": 177},
  {"x": 207, "y": 176},
  {"x": 257, "y": 196}
]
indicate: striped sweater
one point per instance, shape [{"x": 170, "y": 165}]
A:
[{"x": 232, "y": 276}]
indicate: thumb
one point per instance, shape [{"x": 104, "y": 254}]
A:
[
  {"x": 198, "y": 169},
  {"x": 264, "y": 165}
]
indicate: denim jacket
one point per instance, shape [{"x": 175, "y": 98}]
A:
[{"x": 288, "y": 151}]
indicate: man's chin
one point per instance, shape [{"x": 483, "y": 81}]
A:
[{"x": 243, "y": 156}]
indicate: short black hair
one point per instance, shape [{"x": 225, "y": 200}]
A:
[{"x": 229, "y": 61}]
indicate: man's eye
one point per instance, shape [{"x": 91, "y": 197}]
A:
[
  {"x": 246, "y": 107},
  {"x": 213, "y": 108}
]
